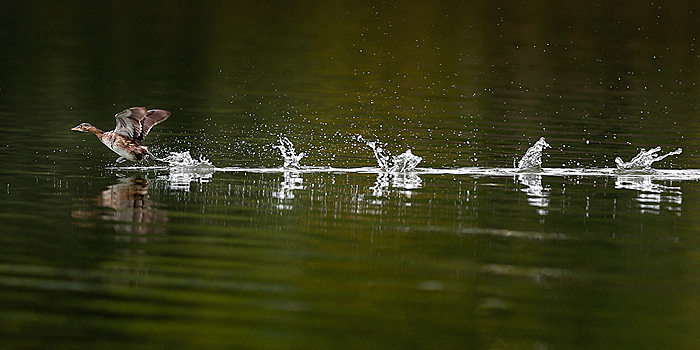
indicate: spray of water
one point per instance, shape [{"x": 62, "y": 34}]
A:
[
  {"x": 644, "y": 159},
  {"x": 380, "y": 153},
  {"x": 532, "y": 160},
  {"x": 289, "y": 154},
  {"x": 405, "y": 162},
  {"x": 185, "y": 160}
]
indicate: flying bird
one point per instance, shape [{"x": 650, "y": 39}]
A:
[{"x": 126, "y": 140}]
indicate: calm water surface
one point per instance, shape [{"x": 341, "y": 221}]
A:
[{"x": 96, "y": 254}]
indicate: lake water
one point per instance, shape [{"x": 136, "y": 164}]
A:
[{"x": 237, "y": 252}]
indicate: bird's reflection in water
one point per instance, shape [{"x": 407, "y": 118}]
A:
[
  {"x": 537, "y": 196},
  {"x": 133, "y": 212},
  {"x": 135, "y": 219}
]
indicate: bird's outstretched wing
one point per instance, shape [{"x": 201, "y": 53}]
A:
[
  {"x": 136, "y": 122},
  {"x": 129, "y": 122},
  {"x": 153, "y": 117}
]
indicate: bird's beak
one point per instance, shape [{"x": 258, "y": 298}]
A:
[{"x": 75, "y": 128}]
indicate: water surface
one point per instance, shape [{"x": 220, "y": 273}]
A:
[{"x": 235, "y": 250}]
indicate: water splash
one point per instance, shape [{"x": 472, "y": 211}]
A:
[
  {"x": 185, "y": 160},
  {"x": 644, "y": 159},
  {"x": 404, "y": 162},
  {"x": 379, "y": 153},
  {"x": 184, "y": 170},
  {"x": 289, "y": 154},
  {"x": 532, "y": 160}
]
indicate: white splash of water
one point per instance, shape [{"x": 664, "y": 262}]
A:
[
  {"x": 185, "y": 160},
  {"x": 289, "y": 154},
  {"x": 405, "y": 162},
  {"x": 532, "y": 160},
  {"x": 184, "y": 170},
  {"x": 644, "y": 159},
  {"x": 379, "y": 154}
]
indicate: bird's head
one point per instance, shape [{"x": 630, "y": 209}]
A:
[{"x": 84, "y": 127}]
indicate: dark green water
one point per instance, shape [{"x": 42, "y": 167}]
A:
[{"x": 97, "y": 256}]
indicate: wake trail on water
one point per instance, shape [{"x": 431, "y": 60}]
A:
[{"x": 407, "y": 163}]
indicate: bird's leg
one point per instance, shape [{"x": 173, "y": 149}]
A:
[
  {"x": 157, "y": 160},
  {"x": 121, "y": 160}
]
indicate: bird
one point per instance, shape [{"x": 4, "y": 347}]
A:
[{"x": 126, "y": 140}]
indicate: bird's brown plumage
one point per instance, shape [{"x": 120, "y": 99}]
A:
[{"x": 133, "y": 125}]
